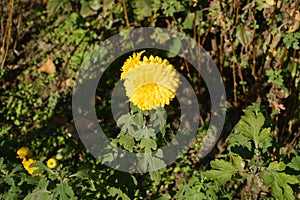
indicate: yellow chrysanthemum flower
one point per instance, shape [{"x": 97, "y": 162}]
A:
[
  {"x": 26, "y": 163},
  {"x": 131, "y": 62},
  {"x": 150, "y": 83},
  {"x": 24, "y": 152},
  {"x": 52, "y": 163}
]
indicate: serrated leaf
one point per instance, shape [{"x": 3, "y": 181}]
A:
[
  {"x": 160, "y": 36},
  {"x": 250, "y": 126},
  {"x": 150, "y": 163},
  {"x": 127, "y": 141},
  {"x": 145, "y": 133},
  {"x": 148, "y": 144},
  {"x": 65, "y": 192},
  {"x": 156, "y": 164},
  {"x": 43, "y": 183},
  {"x": 143, "y": 164},
  {"x": 295, "y": 163},
  {"x": 155, "y": 176},
  {"x": 41, "y": 192},
  {"x": 277, "y": 166},
  {"x": 125, "y": 123},
  {"x": 221, "y": 172},
  {"x": 138, "y": 119},
  {"x": 237, "y": 139},
  {"x": 10, "y": 181},
  {"x": 158, "y": 118},
  {"x": 279, "y": 181},
  {"x": 117, "y": 193},
  {"x": 264, "y": 134}
]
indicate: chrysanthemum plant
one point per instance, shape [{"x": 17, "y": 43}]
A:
[{"x": 150, "y": 84}]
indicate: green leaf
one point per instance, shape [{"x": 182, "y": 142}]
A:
[
  {"x": 250, "y": 127},
  {"x": 160, "y": 37},
  {"x": 40, "y": 192},
  {"x": 265, "y": 139},
  {"x": 188, "y": 22},
  {"x": 54, "y": 5},
  {"x": 95, "y": 4},
  {"x": 125, "y": 121},
  {"x": 150, "y": 163},
  {"x": 4, "y": 130},
  {"x": 138, "y": 119},
  {"x": 143, "y": 9},
  {"x": 117, "y": 193},
  {"x": 264, "y": 134},
  {"x": 236, "y": 139},
  {"x": 279, "y": 181},
  {"x": 243, "y": 35},
  {"x": 174, "y": 48},
  {"x": 196, "y": 188},
  {"x": 145, "y": 133},
  {"x": 171, "y": 6},
  {"x": 222, "y": 171},
  {"x": 238, "y": 162},
  {"x": 295, "y": 163},
  {"x": 85, "y": 10},
  {"x": 164, "y": 197},
  {"x": 156, "y": 164},
  {"x": 155, "y": 176},
  {"x": 158, "y": 118},
  {"x": 81, "y": 174},
  {"x": 127, "y": 141},
  {"x": 65, "y": 192},
  {"x": 148, "y": 144}
]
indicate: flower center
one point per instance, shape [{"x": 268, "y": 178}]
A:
[{"x": 151, "y": 95}]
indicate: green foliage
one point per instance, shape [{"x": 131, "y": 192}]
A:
[
  {"x": 250, "y": 129},
  {"x": 247, "y": 165},
  {"x": 139, "y": 135},
  {"x": 279, "y": 181},
  {"x": 143, "y": 9},
  {"x": 225, "y": 170},
  {"x": 197, "y": 188},
  {"x": 115, "y": 191},
  {"x": 275, "y": 77},
  {"x": 292, "y": 40},
  {"x": 10, "y": 180},
  {"x": 254, "y": 44},
  {"x": 43, "y": 104},
  {"x": 295, "y": 163},
  {"x": 55, "y": 6},
  {"x": 253, "y": 166}
]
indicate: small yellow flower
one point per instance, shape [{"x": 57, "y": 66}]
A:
[
  {"x": 26, "y": 163},
  {"x": 52, "y": 163},
  {"x": 150, "y": 83},
  {"x": 24, "y": 152}
]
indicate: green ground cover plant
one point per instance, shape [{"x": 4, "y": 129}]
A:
[{"x": 255, "y": 46}]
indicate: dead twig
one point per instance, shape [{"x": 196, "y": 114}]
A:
[{"x": 7, "y": 37}]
